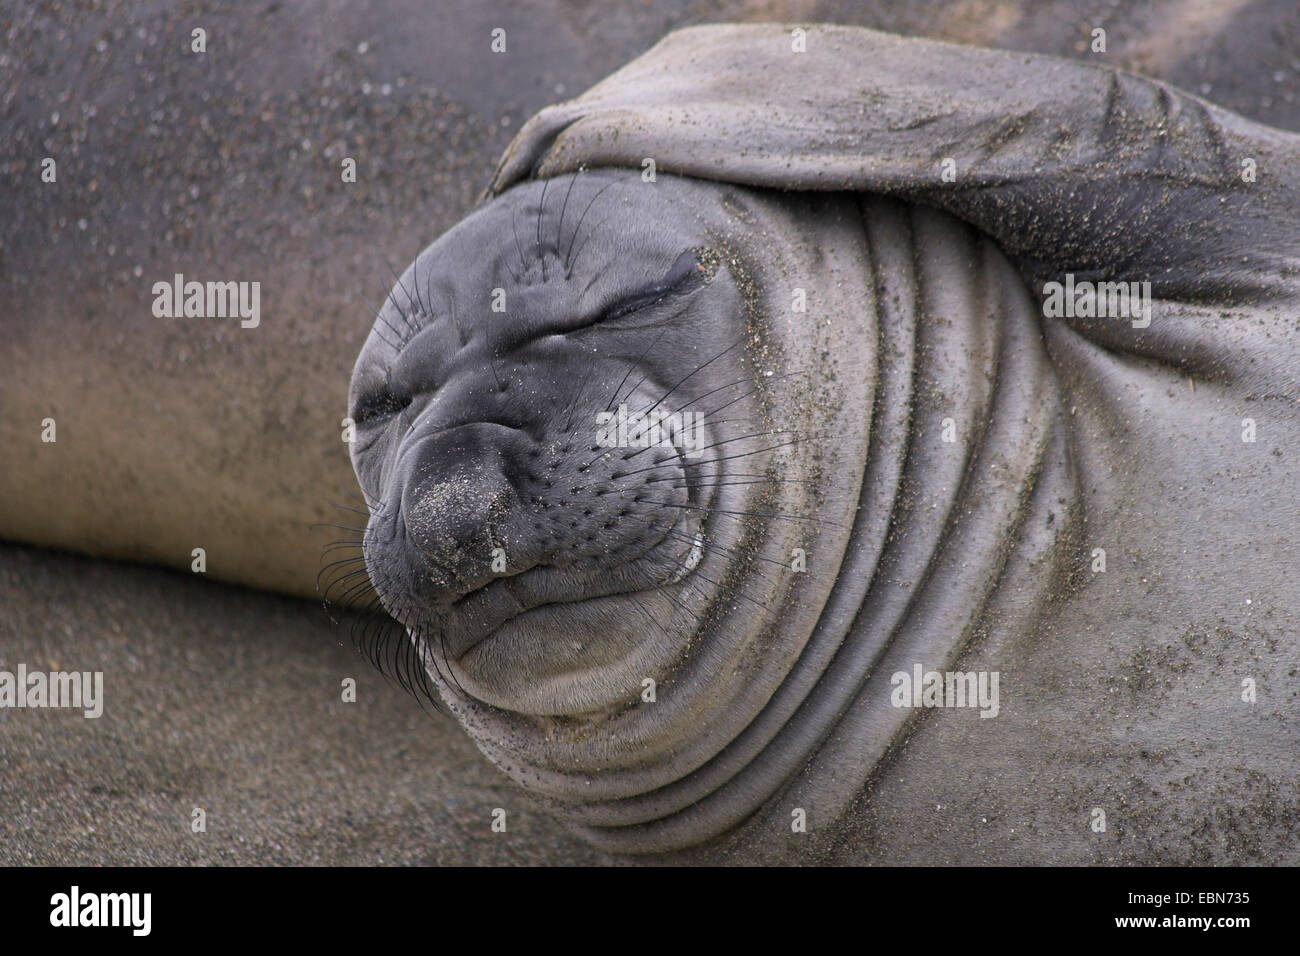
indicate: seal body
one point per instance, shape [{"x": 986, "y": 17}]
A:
[{"x": 911, "y": 456}]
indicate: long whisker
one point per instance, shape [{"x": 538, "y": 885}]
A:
[
  {"x": 541, "y": 207},
  {"x": 573, "y": 181},
  {"x": 578, "y": 227}
]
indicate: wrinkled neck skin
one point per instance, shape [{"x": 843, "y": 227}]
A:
[{"x": 901, "y": 451}]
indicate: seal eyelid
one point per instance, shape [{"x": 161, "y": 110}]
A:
[
  {"x": 379, "y": 404},
  {"x": 686, "y": 275}
]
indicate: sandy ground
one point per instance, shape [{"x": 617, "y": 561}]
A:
[{"x": 229, "y": 700}]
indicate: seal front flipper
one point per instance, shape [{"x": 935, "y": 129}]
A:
[{"x": 1071, "y": 168}]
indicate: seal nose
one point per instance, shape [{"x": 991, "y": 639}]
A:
[{"x": 455, "y": 506}]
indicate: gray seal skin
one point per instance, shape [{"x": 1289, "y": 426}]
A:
[{"x": 947, "y": 456}]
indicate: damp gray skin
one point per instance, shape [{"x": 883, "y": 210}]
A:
[{"x": 945, "y": 454}]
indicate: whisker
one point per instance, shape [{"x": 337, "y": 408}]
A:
[
  {"x": 578, "y": 227},
  {"x": 541, "y": 207},
  {"x": 742, "y": 514},
  {"x": 697, "y": 370},
  {"x": 573, "y": 180}
]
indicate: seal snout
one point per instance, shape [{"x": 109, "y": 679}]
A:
[{"x": 456, "y": 502}]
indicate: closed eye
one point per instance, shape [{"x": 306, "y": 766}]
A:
[
  {"x": 685, "y": 276},
  {"x": 378, "y": 405}
]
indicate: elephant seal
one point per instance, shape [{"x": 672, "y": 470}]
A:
[{"x": 844, "y": 261}]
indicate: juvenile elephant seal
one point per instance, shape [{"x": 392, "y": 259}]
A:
[{"x": 843, "y": 264}]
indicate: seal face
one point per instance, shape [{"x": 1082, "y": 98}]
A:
[{"x": 515, "y": 518}]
